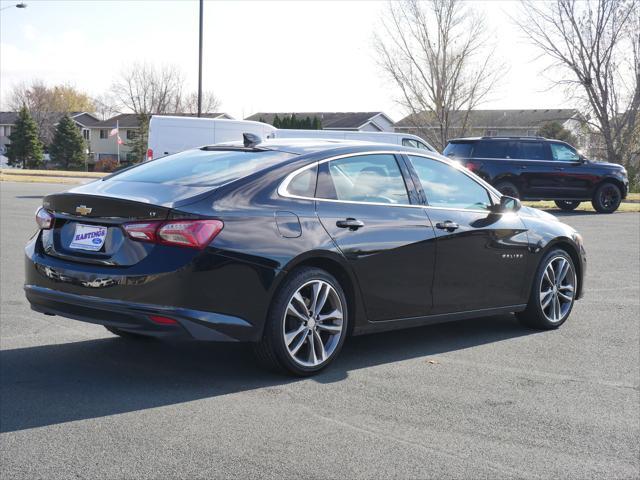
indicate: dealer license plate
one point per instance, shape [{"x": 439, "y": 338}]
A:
[{"x": 88, "y": 237}]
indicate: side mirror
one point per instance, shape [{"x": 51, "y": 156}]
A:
[
  {"x": 582, "y": 159},
  {"x": 509, "y": 204}
]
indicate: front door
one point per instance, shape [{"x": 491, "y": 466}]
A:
[
  {"x": 481, "y": 256},
  {"x": 390, "y": 244}
]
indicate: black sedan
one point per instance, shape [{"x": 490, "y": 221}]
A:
[{"x": 296, "y": 245}]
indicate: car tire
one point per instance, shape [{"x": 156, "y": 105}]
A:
[
  {"x": 508, "y": 188},
  {"x": 606, "y": 198},
  {"x": 567, "y": 205},
  {"x": 552, "y": 293},
  {"x": 128, "y": 335},
  {"x": 301, "y": 335}
]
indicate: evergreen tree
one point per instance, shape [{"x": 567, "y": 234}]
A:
[
  {"x": 293, "y": 121},
  {"x": 307, "y": 123},
  {"x": 556, "y": 131},
  {"x": 276, "y": 121},
  {"x": 68, "y": 147},
  {"x": 316, "y": 124},
  {"x": 139, "y": 143},
  {"x": 25, "y": 148}
]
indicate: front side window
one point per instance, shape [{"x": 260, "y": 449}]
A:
[
  {"x": 564, "y": 153},
  {"x": 363, "y": 178},
  {"x": 446, "y": 186}
]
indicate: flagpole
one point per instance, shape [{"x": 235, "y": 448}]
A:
[{"x": 118, "y": 141}]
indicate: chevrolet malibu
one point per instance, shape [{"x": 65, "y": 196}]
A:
[{"x": 296, "y": 245}]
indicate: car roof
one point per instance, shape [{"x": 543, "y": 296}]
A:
[
  {"x": 301, "y": 146},
  {"x": 503, "y": 137}
]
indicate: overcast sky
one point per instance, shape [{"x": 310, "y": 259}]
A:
[{"x": 258, "y": 56}]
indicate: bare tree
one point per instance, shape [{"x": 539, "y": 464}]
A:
[
  {"x": 47, "y": 104},
  {"x": 105, "y": 106},
  {"x": 438, "y": 54},
  {"x": 146, "y": 90},
  {"x": 189, "y": 103},
  {"x": 595, "y": 47}
]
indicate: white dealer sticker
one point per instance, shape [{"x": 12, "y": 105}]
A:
[{"x": 88, "y": 237}]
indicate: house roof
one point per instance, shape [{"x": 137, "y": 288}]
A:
[
  {"x": 83, "y": 118},
  {"x": 8, "y": 118},
  {"x": 335, "y": 120},
  {"x": 495, "y": 118},
  {"x": 130, "y": 120}
]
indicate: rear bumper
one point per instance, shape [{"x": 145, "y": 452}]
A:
[{"x": 134, "y": 317}]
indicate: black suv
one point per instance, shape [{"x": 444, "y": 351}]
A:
[{"x": 536, "y": 168}]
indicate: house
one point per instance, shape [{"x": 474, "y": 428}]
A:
[
  {"x": 494, "y": 123},
  {"x": 352, "y": 121},
  {"x": 102, "y": 146},
  {"x": 83, "y": 120}
]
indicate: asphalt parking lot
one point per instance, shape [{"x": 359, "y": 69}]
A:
[{"x": 482, "y": 398}]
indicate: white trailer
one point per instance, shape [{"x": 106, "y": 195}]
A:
[{"x": 168, "y": 135}]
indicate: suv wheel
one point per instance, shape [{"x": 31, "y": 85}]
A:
[
  {"x": 508, "y": 189},
  {"x": 566, "y": 205},
  {"x": 606, "y": 198},
  {"x": 307, "y": 324},
  {"x": 553, "y": 292}
]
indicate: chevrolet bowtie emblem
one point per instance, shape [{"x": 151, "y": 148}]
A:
[{"x": 83, "y": 210}]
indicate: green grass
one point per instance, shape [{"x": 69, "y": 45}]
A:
[{"x": 586, "y": 206}]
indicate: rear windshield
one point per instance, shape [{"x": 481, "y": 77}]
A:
[
  {"x": 202, "y": 168},
  {"x": 458, "y": 150}
]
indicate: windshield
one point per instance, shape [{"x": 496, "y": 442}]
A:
[{"x": 202, "y": 168}]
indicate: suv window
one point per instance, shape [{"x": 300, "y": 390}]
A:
[
  {"x": 446, "y": 186},
  {"x": 458, "y": 149},
  {"x": 363, "y": 178},
  {"x": 533, "y": 151},
  {"x": 563, "y": 153},
  {"x": 492, "y": 149}
]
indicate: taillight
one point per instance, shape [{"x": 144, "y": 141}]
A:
[
  {"x": 150, "y": 154},
  {"x": 162, "y": 320},
  {"x": 185, "y": 233},
  {"x": 145, "y": 232},
  {"x": 473, "y": 166},
  {"x": 44, "y": 219},
  {"x": 189, "y": 233}
]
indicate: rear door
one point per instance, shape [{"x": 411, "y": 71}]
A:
[
  {"x": 481, "y": 256},
  {"x": 363, "y": 203},
  {"x": 541, "y": 176}
]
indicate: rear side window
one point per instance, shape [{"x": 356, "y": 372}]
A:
[
  {"x": 533, "y": 151},
  {"x": 363, "y": 178},
  {"x": 458, "y": 150},
  {"x": 304, "y": 183},
  {"x": 491, "y": 149},
  {"x": 563, "y": 153},
  {"x": 202, "y": 168},
  {"x": 446, "y": 186}
]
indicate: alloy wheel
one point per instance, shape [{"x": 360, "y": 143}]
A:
[
  {"x": 609, "y": 197},
  {"x": 313, "y": 323},
  {"x": 557, "y": 289}
]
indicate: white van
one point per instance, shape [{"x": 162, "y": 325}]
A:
[{"x": 169, "y": 135}]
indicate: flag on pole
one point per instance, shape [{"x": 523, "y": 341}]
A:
[
  {"x": 113, "y": 132},
  {"x": 120, "y": 142}
]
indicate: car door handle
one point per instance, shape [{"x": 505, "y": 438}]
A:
[
  {"x": 449, "y": 226},
  {"x": 350, "y": 223},
  {"x": 523, "y": 167},
  {"x": 558, "y": 168}
]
